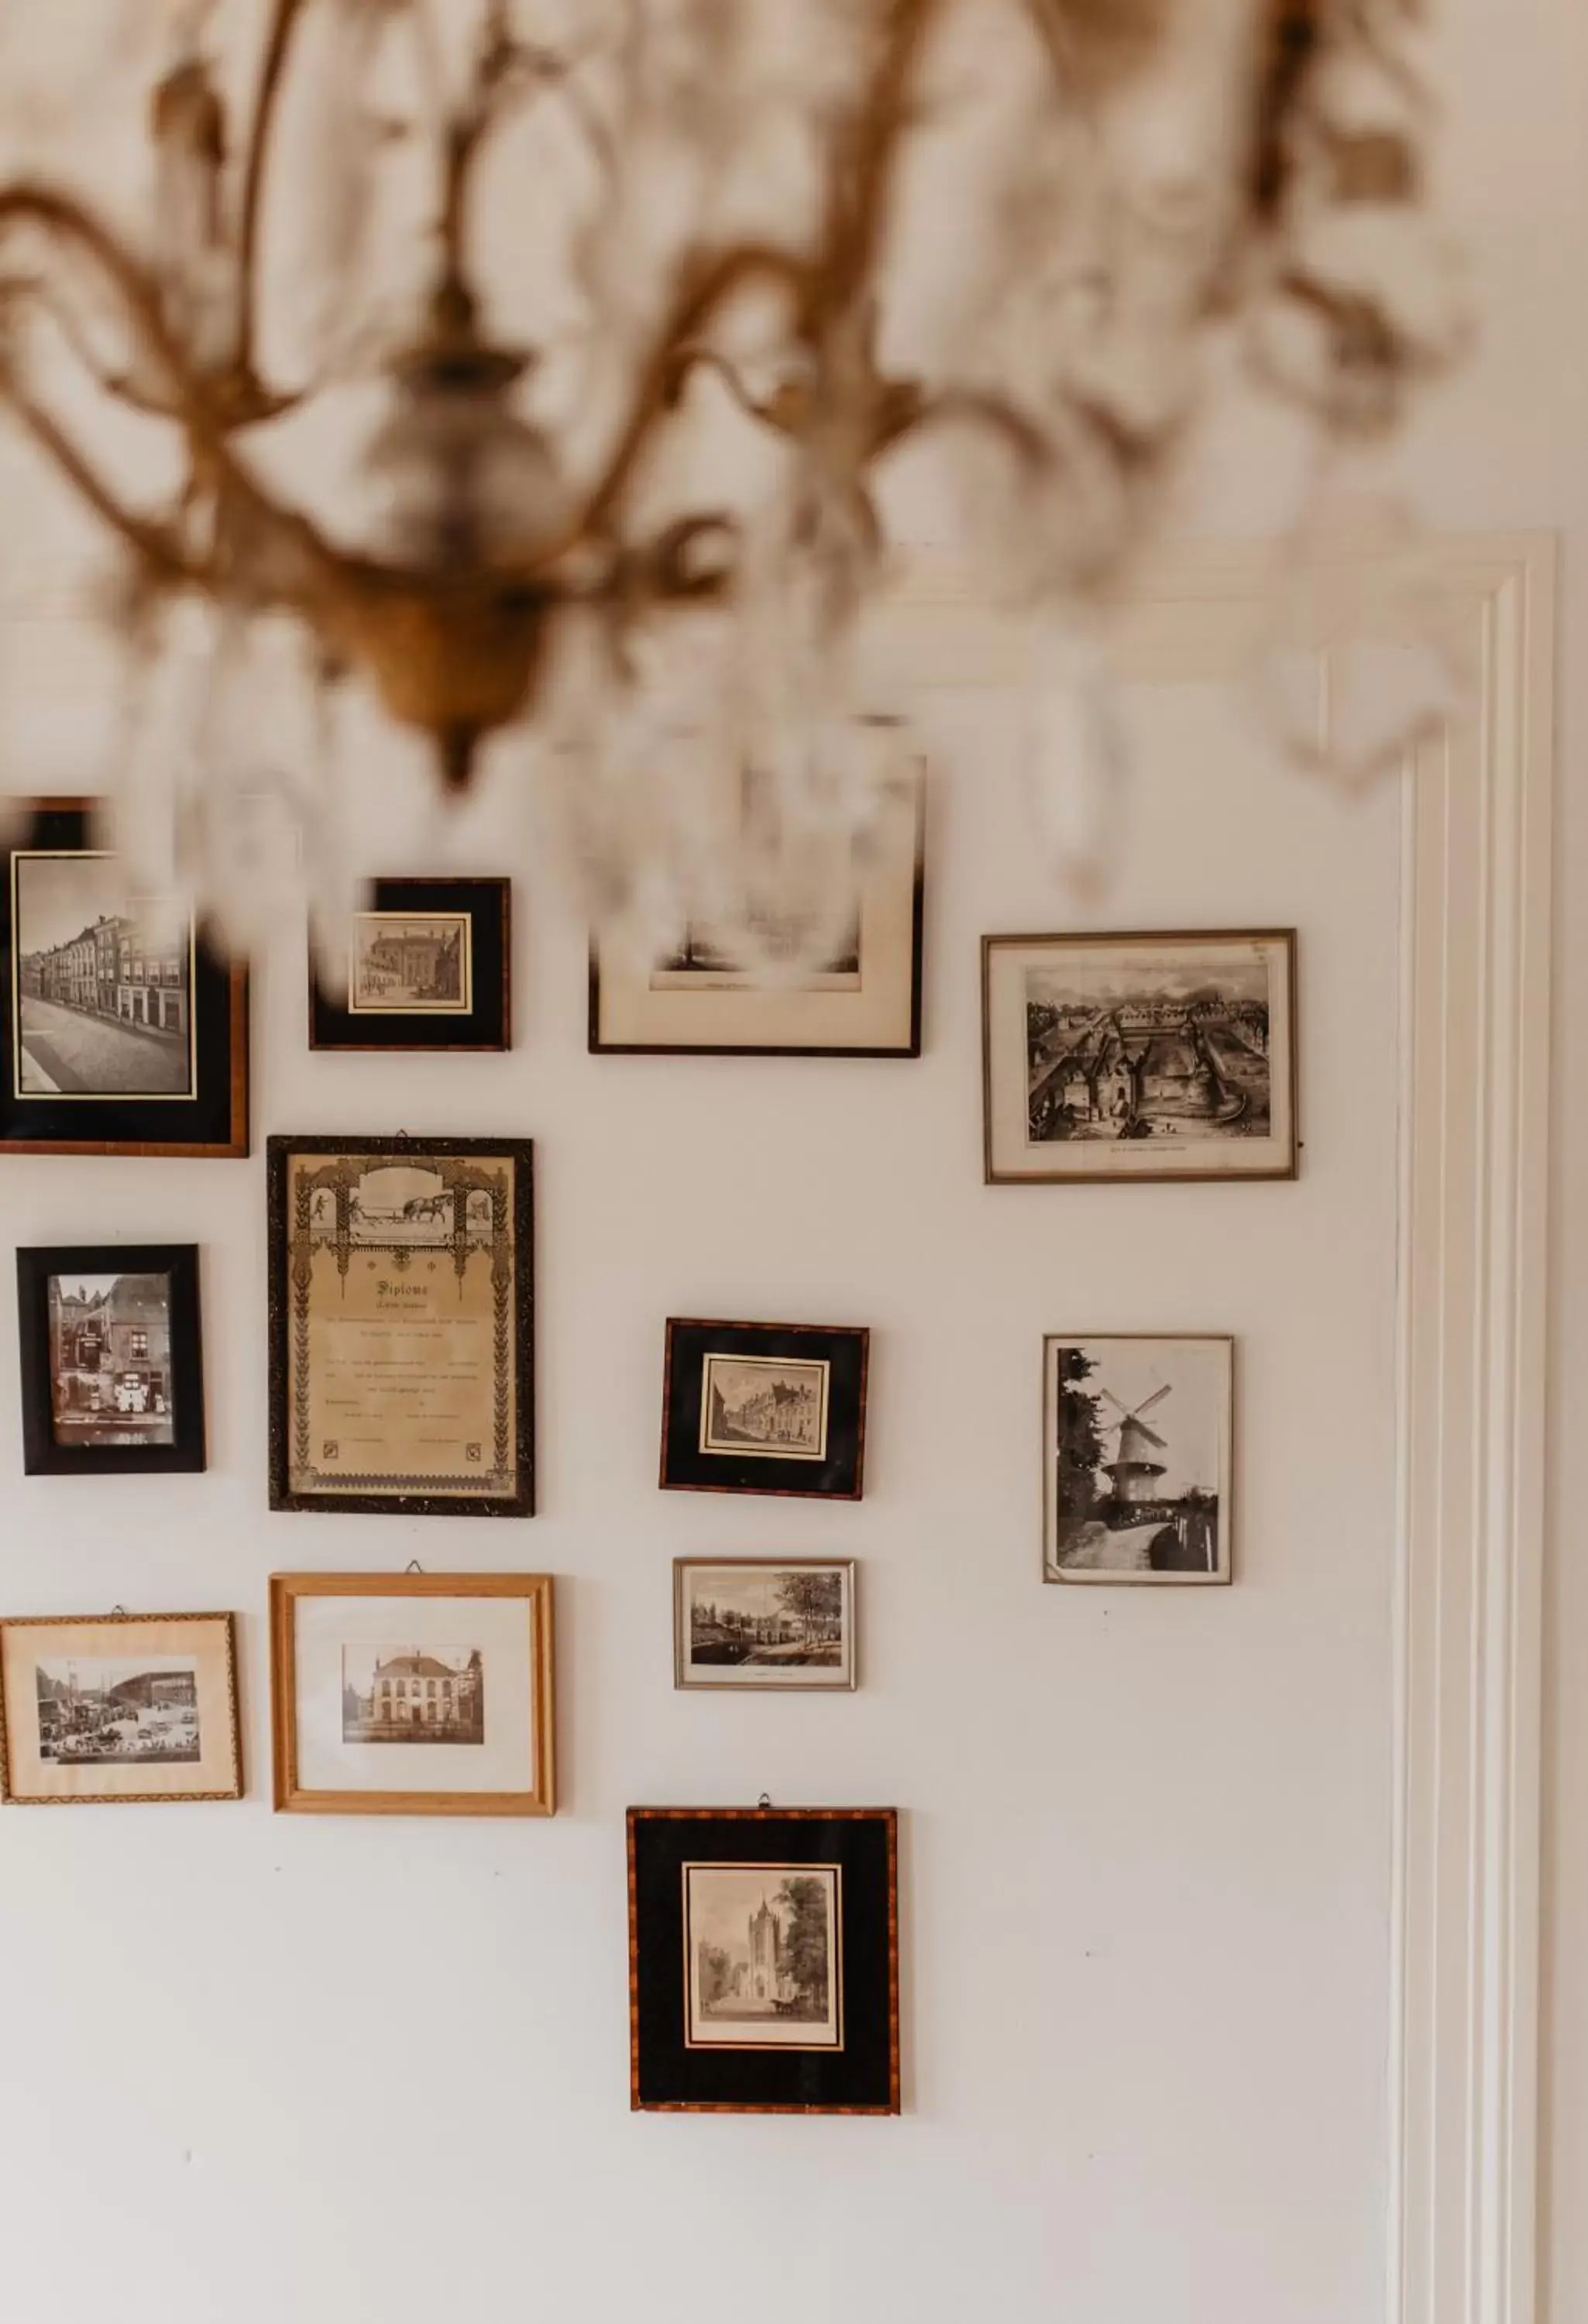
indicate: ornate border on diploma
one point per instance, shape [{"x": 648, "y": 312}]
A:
[
  {"x": 296, "y": 1483},
  {"x": 1463, "y": 2069}
]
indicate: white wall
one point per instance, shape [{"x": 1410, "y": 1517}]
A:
[
  {"x": 333, "y": 2069},
  {"x": 265, "y": 2067}
]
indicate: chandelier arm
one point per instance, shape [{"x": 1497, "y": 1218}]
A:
[
  {"x": 715, "y": 281},
  {"x": 857, "y": 226},
  {"x": 196, "y": 411},
  {"x": 119, "y": 385},
  {"x": 156, "y": 545},
  {"x": 776, "y": 410},
  {"x": 972, "y": 406},
  {"x": 283, "y": 23}
]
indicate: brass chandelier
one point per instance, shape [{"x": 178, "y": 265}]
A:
[{"x": 1166, "y": 173}]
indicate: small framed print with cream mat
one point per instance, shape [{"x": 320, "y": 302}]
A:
[
  {"x": 412, "y": 1693},
  {"x": 763, "y": 1961},
  {"x": 429, "y": 966},
  {"x": 764, "y": 1408},
  {"x": 119, "y": 1708}
]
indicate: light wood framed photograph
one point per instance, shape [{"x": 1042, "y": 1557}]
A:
[
  {"x": 780, "y": 1624},
  {"x": 96, "y": 1710},
  {"x": 413, "y": 1693},
  {"x": 703, "y": 999},
  {"x": 122, "y": 1029},
  {"x": 428, "y": 966},
  {"x": 775, "y": 1409},
  {"x": 1139, "y": 1454},
  {"x": 1156, "y": 1056},
  {"x": 402, "y": 1325},
  {"x": 112, "y": 1359},
  {"x": 763, "y": 1961}
]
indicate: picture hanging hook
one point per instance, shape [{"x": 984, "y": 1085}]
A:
[
  {"x": 413, "y": 1566},
  {"x": 119, "y": 1609},
  {"x": 765, "y": 1800}
]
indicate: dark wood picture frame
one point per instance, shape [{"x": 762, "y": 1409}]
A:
[
  {"x": 910, "y": 1046},
  {"x": 118, "y": 1620},
  {"x": 843, "y": 1353},
  {"x": 486, "y": 1024},
  {"x": 290, "y": 1796},
  {"x": 289, "y": 1289},
  {"x": 44, "y": 1454},
  {"x": 668, "y": 2074},
  {"x": 1139, "y": 1167},
  {"x": 209, "y": 1124}
]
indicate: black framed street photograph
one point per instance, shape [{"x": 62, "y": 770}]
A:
[
  {"x": 776, "y": 1624},
  {"x": 122, "y": 1029},
  {"x": 402, "y": 1325},
  {"x": 764, "y": 1408},
  {"x": 763, "y": 1961},
  {"x": 428, "y": 966},
  {"x": 1140, "y": 1057},
  {"x": 101, "y": 1708},
  {"x": 111, "y": 1359},
  {"x": 722, "y": 993},
  {"x": 1139, "y": 1437}
]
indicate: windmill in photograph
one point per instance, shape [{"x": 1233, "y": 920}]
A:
[{"x": 1149, "y": 1507}]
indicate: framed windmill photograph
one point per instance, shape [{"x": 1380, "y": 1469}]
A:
[{"x": 1138, "y": 1458}]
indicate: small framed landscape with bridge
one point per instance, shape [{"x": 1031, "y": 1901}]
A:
[
  {"x": 1137, "y": 1459},
  {"x": 778, "y": 1624},
  {"x": 1155, "y": 1056}
]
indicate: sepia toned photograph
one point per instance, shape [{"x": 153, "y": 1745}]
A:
[
  {"x": 119, "y": 1707},
  {"x": 1140, "y": 1057},
  {"x": 776, "y": 1409},
  {"x": 95, "y": 1711},
  {"x": 102, "y": 982},
  {"x": 110, "y": 1360},
  {"x": 1138, "y": 1457},
  {"x": 763, "y": 1961},
  {"x": 412, "y": 1694},
  {"x": 770, "y": 1623},
  {"x": 763, "y": 1953},
  {"x": 760, "y": 1406},
  {"x": 123, "y": 1029},
  {"x": 406, "y": 965}
]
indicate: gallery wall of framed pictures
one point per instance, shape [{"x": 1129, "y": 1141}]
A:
[{"x": 400, "y": 1327}]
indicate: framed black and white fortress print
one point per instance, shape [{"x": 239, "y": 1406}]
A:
[
  {"x": 1140, "y": 1057},
  {"x": 428, "y": 966},
  {"x": 122, "y": 1029},
  {"x": 763, "y": 1961}
]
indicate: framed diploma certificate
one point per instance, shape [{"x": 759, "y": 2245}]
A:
[{"x": 401, "y": 1312}]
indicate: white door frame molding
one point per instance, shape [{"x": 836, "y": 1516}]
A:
[{"x": 1464, "y": 2068}]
